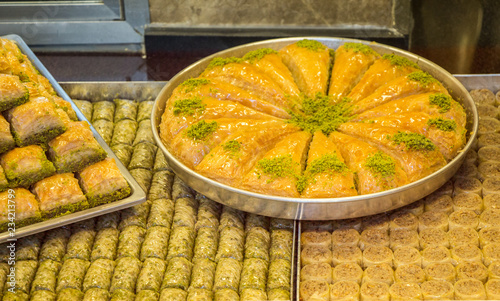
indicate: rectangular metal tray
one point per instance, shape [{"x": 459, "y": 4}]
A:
[{"x": 137, "y": 195}]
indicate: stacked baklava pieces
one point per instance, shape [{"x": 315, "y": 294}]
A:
[
  {"x": 48, "y": 158},
  {"x": 178, "y": 245},
  {"x": 313, "y": 122},
  {"x": 443, "y": 247}
]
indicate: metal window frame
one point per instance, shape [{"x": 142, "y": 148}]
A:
[{"x": 115, "y": 26}]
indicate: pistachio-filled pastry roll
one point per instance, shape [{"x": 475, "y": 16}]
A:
[
  {"x": 314, "y": 290},
  {"x": 59, "y": 194},
  {"x": 251, "y": 294},
  {"x": 178, "y": 273},
  {"x": 13, "y": 92},
  {"x": 46, "y": 276},
  {"x": 151, "y": 275},
  {"x": 257, "y": 243},
  {"x": 231, "y": 218},
  {"x": 146, "y": 295},
  {"x": 185, "y": 213},
  {"x": 231, "y": 244},
  {"x": 155, "y": 243},
  {"x": 75, "y": 149},
  {"x": 371, "y": 291},
  {"x": 99, "y": 274},
  {"x": 124, "y": 132},
  {"x": 70, "y": 294},
  {"x": 326, "y": 174},
  {"x": 351, "y": 62},
  {"x": 417, "y": 82},
  {"x": 103, "y": 182},
  {"x": 103, "y": 110},
  {"x": 125, "y": 109},
  {"x": 375, "y": 170},
  {"x": 347, "y": 271},
  {"x": 278, "y": 170},
  {"x": 144, "y": 133},
  {"x": 206, "y": 243},
  {"x": 161, "y": 213},
  {"x": 144, "y": 110},
  {"x": 203, "y": 274},
  {"x": 173, "y": 294},
  {"x": 199, "y": 294},
  {"x": 104, "y": 128},
  {"x": 35, "y": 122},
  {"x": 382, "y": 71},
  {"x": 417, "y": 155},
  {"x": 469, "y": 289},
  {"x": 309, "y": 62},
  {"x": 401, "y": 291},
  {"x": 281, "y": 244},
  {"x": 437, "y": 290},
  {"x": 316, "y": 271},
  {"x": 27, "y": 210},
  {"x": 227, "y": 274},
  {"x": 125, "y": 274},
  {"x": 181, "y": 243},
  {"x": 27, "y": 165},
  {"x": 105, "y": 244},
  {"x": 243, "y": 75},
  {"x": 268, "y": 61},
  {"x": 72, "y": 274},
  {"x": 80, "y": 244},
  {"x": 254, "y": 274}
]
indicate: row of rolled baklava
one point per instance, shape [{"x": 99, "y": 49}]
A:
[
  {"x": 446, "y": 246},
  {"x": 51, "y": 159}
]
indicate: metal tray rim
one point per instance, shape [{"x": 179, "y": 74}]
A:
[
  {"x": 188, "y": 174},
  {"x": 137, "y": 195}
]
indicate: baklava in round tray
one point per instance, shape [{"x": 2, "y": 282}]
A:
[{"x": 314, "y": 128}]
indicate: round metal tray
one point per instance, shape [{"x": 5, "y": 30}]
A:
[{"x": 321, "y": 208}]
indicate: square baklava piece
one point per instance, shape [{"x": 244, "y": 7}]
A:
[
  {"x": 6, "y": 139},
  {"x": 35, "y": 122},
  {"x": 103, "y": 182},
  {"x": 26, "y": 208},
  {"x": 59, "y": 194},
  {"x": 75, "y": 149},
  {"x": 12, "y": 92},
  {"x": 24, "y": 166}
]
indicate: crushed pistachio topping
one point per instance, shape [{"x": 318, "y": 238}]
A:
[
  {"x": 441, "y": 100},
  {"x": 258, "y": 54},
  {"x": 188, "y": 106},
  {"x": 413, "y": 141},
  {"x": 399, "y": 61},
  {"x": 277, "y": 167},
  {"x": 358, "y": 47},
  {"x": 328, "y": 163},
  {"x": 381, "y": 164},
  {"x": 320, "y": 114},
  {"x": 424, "y": 78},
  {"x": 220, "y": 62},
  {"x": 311, "y": 45},
  {"x": 201, "y": 130},
  {"x": 446, "y": 125},
  {"x": 193, "y": 83},
  {"x": 232, "y": 147}
]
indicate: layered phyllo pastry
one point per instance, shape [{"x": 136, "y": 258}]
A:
[
  {"x": 12, "y": 92},
  {"x": 75, "y": 149},
  {"x": 313, "y": 122},
  {"x": 27, "y": 165},
  {"x": 35, "y": 122},
  {"x": 18, "y": 205},
  {"x": 103, "y": 182},
  {"x": 59, "y": 194}
]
